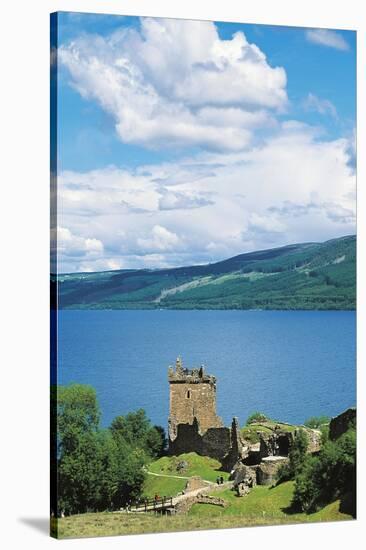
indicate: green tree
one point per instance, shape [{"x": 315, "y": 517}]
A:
[
  {"x": 77, "y": 447},
  {"x": 133, "y": 428},
  {"x": 136, "y": 430},
  {"x": 328, "y": 476},
  {"x": 98, "y": 469},
  {"x": 296, "y": 457},
  {"x": 130, "y": 467},
  {"x": 316, "y": 422},
  {"x": 156, "y": 441}
]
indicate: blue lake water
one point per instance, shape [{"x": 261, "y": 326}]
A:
[{"x": 288, "y": 364}]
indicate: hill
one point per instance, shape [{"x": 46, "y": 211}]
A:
[
  {"x": 299, "y": 276},
  {"x": 263, "y": 506}
]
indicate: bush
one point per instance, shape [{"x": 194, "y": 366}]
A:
[
  {"x": 297, "y": 458},
  {"x": 328, "y": 476},
  {"x": 257, "y": 417},
  {"x": 316, "y": 422}
]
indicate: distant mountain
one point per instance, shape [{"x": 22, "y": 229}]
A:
[{"x": 298, "y": 276}]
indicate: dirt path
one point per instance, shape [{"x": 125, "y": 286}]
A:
[
  {"x": 176, "y": 477},
  {"x": 166, "y": 475}
]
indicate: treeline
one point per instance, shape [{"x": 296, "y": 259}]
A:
[
  {"x": 325, "y": 477},
  {"x": 96, "y": 469}
]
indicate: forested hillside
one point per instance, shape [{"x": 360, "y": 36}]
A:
[{"x": 298, "y": 276}]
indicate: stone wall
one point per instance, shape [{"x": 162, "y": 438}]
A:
[
  {"x": 215, "y": 442},
  {"x": 340, "y": 424},
  {"x": 268, "y": 468},
  {"x": 237, "y": 450}
]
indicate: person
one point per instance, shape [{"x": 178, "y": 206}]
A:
[
  {"x": 221, "y": 480},
  {"x": 218, "y": 480}
]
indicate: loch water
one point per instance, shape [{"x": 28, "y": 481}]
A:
[{"x": 288, "y": 364}]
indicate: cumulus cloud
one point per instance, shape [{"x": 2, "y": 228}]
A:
[
  {"x": 321, "y": 106},
  {"x": 292, "y": 188},
  {"x": 246, "y": 180},
  {"x": 73, "y": 245},
  {"x": 159, "y": 240},
  {"x": 177, "y": 83},
  {"x": 326, "y": 37}
]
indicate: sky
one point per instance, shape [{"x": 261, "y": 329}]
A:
[{"x": 186, "y": 142}]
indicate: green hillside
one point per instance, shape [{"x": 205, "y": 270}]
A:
[
  {"x": 299, "y": 276},
  {"x": 263, "y": 506}
]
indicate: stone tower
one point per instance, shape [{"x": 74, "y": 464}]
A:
[{"x": 192, "y": 400}]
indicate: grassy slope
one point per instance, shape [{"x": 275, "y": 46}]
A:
[
  {"x": 304, "y": 276},
  {"x": 203, "y": 466},
  {"x": 263, "y": 506}
]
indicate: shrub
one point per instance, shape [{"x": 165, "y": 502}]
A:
[
  {"x": 297, "y": 458},
  {"x": 328, "y": 476},
  {"x": 256, "y": 417},
  {"x": 315, "y": 422}
]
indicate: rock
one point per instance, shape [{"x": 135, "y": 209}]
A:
[
  {"x": 181, "y": 466},
  {"x": 315, "y": 440},
  {"x": 208, "y": 499},
  {"x": 244, "y": 478},
  {"x": 340, "y": 424},
  {"x": 278, "y": 443},
  {"x": 268, "y": 468}
]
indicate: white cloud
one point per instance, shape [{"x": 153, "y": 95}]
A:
[
  {"x": 69, "y": 244},
  {"x": 321, "y": 106},
  {"x": 176, "y": 83},
  {"x": 294, "y": 187},
  {"x": 160, "y": 239},
  {"x": 326, "y": 37},
  {"x": 265, "y": 224},
  {"x": 172, "y": 200}
]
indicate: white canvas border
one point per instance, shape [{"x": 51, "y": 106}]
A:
[{"x": 24, "y": 215}]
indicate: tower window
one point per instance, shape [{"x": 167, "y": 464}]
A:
[{"x": 188, "y": 394}]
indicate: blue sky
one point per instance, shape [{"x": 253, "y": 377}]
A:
[{"x": 180, "y": 142}]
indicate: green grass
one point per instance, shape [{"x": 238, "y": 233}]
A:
[
  {"x": 265, "y": 502},
  {"x": 263, "y": 506},
  {"x": 203, "y": 466},
  {"x": 162, "y": 486}
]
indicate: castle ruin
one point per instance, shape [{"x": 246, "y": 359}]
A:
[
  {"x": 193, "y": 423},
  {"x": 194, "y": 426}
]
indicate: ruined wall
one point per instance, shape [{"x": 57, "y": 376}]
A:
[
  {"x": 340, "y": 424},
  {"x": 215, "y": 442}
]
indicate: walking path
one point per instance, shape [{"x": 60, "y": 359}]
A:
[
  {"x": 212, "y": 487},
  {"x": 175, "y": 477}
]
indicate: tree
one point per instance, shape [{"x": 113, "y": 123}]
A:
[
  {"x": 328, "y": 476},
  {"x": 135, "y": 429},
  {"x": 296, "y": 457},
  {"x": 156, "y": 441},
  {"x": 97, "y": 469},
  {"x": 315, "y": 422},
  {"x": 77, "y": 447}
]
